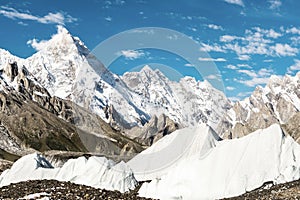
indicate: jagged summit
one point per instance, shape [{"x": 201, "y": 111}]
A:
[{"x": 277, "y": 102}]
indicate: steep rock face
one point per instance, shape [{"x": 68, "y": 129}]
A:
[
  {"x": 32, "y": 119},
  {"x": 292, "y": 127},
  {"x": 277, "y": 102},
  {"x": 153, "y": 130}
]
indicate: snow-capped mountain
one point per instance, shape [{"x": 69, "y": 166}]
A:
[
  {"x": 277, "y": 102},
  {"x": 66, "y": 68},
  {"x": 187, "y": 102}
]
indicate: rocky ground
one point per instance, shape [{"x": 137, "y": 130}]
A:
[
  {"x": 52, "y": 189},
  {"x": 289, "y": 190}
]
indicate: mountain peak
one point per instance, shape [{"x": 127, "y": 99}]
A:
[
  {"x": 62, "y": 30},
  {"x": 62, "y": 42},
  {"x": 147, "y": 68}
]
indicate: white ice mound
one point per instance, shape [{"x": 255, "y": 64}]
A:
[
  {"x": 166, "y": 153},
  {"x": 231, "y": 168},
  {"x": 96, "y": 171}
]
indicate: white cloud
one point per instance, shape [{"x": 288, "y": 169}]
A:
[
  {"x": 230, "y": 88},
  {"x": 255, "y": 81},
  {"x": 256, "y": 78},
  {"x": 294, "y": 67},
  {"x": 215, "y": 27},
  {"x": 268, "y": 60},
  {"x": 284, "y": 50},
  {"x": 212, "y": 59},
  {"x": 244, "y": 57},
  {"x": 213, "y": 77},
  {"x": 244, "y": 66},
  {"x": 293, "y": 30},
  {"x": 109, "y": 19},
  {"x": 268, "y": 33},
  {"x": 189, "y": 65},
  {"x": 265, "y": 72},
  {"x": 295, "y": 40},
  {"x": 214, "y": 47},
  {"x": 236, "y": 2},
  {"x": 256, "y": 41},
  {"x": 233, "y": 67},
  {"x": 132, "y": 54},
  {"x": 228, "y": 38},
  {"x": 22, "y": 23},
  {"x": 250, "y": 73},
  {"x": 274, "y": 4},
  {"x": 37, "y": 45},
  {"x": 244, "y": 94},
  {"x": 50, "y": 18}
]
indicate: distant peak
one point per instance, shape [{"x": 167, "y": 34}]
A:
[{"x": 147, "y": 68}]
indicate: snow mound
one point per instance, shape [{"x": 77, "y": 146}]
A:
[
  {"x": 231, "y": 168},
  {"x": 167, "y": 152},
  {"x": 96, "y": 171}
]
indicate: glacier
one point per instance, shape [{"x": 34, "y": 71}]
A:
[
  {"x": 97, "y": 172},
  {"x": 226, "y": 168}
]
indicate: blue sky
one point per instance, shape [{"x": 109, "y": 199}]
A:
[{"x": 247, "y": 40}]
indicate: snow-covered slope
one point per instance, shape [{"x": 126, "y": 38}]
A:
[
  {"x": 277, "y": 102},
  {"x": 172, "y": 149},
  {"x": 231, "y": 168},
  {"x": 187, "y": 102},
  {"x": 97, "y": 172}
]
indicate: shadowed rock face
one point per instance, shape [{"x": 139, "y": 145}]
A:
[
  {"x": 292, "y": 127},
  {"x": 154, "y": 130},
  {"x": 31, "y": 119}
]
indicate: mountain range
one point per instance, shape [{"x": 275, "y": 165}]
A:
[{"x": 64, "y": 103}]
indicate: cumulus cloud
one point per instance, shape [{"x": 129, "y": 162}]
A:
[
  {"x": 293, "y": 30},
  {"x": 37, "y": 45},
  {"x": 228, "y": 38},
  {"x": 213, "y": 76},
  {"x": 214, "y": 47},
  {"x": 132, "y": 54},
  {"x": 257, "y": 41},
  {"x": 284, "y": 50},
  {"x": 274, "y": 4},
  {"x": 250, "y": 73},
  {"x": 212, "y": 59},
  {"x": 50, "y": 18},
  {"x": 236, "y": 2},
  {"x": 255, "y": 81},
  {"x": 215, "y": 27},
  {"x": 233, "y": 67},
  {"x": 244, "y": 57},
  {"x": 256, "y": 78},
  {"x": 294, "y": 67},
  {"x": 230, "y": 88},
  {"x": 268, "y": 33}
]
